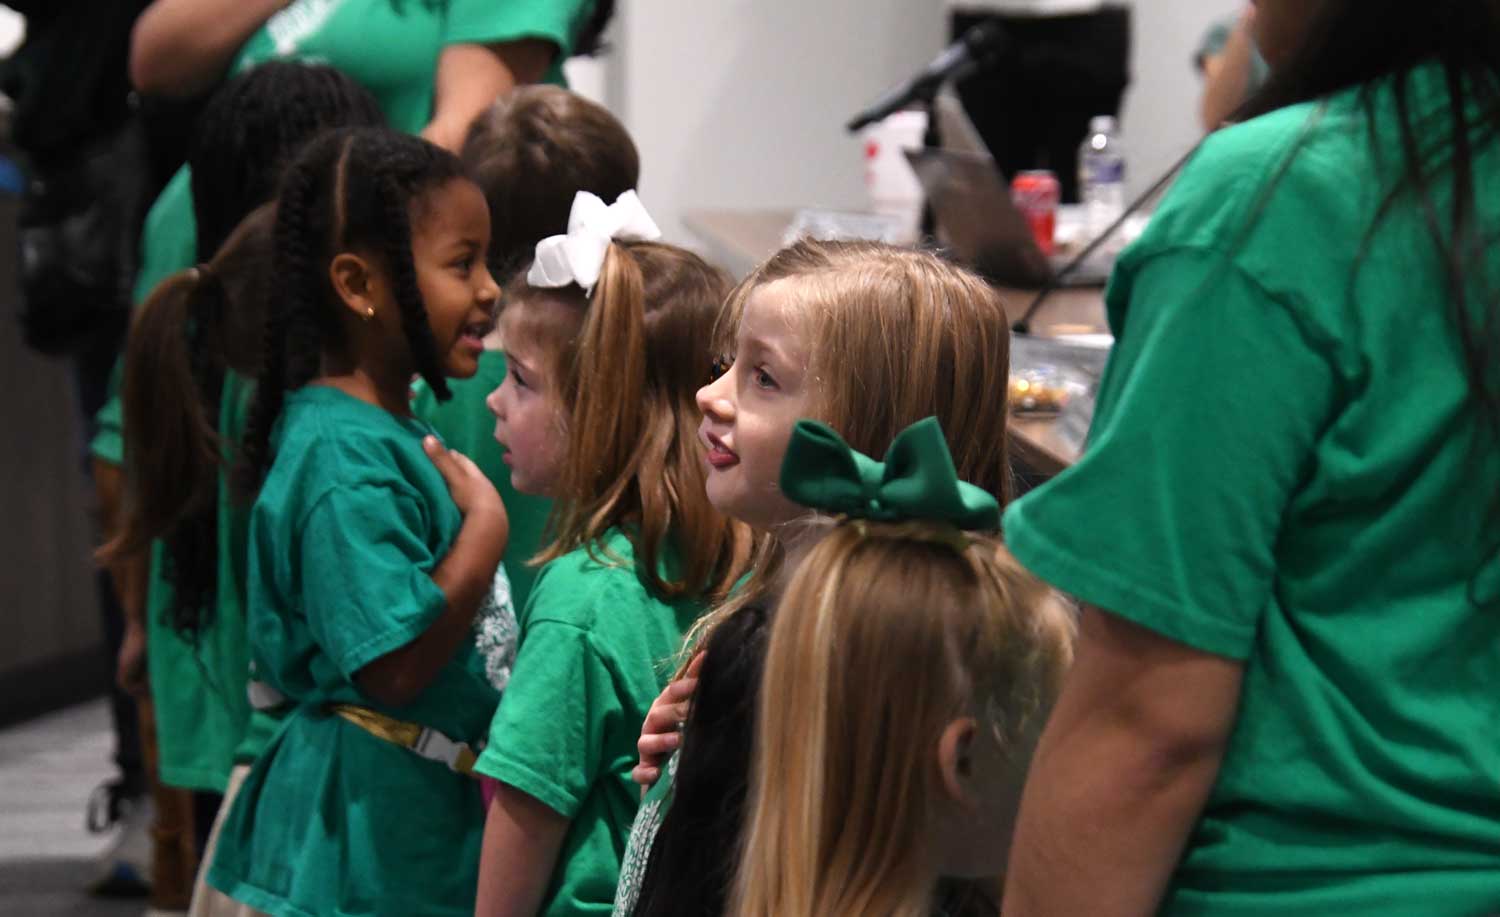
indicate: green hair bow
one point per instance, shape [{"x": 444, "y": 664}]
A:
[{"x": 917, "y": 480}]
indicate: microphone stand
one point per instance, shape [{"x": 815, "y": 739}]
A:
[
  {"x": 932, "y": 139},
  {"x": 923, "y": 97}
]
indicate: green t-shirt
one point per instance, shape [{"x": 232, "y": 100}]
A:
[
  {"x": 466, "y": 424},
  {"x": 391, "y": 47},
  {"x": 168, "y": 245},
  {"x": 597, "y": 647},
  {"x": 1285, "y": 469},
  {"x": 348, "y": 528},
  {"x": 198, "y": 687},
  {"x": 108, "y": 444}
]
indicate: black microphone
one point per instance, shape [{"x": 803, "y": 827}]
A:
[{"x": 978, "y": 46}]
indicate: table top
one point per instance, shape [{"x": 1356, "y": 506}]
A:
[{"x": 738, "y": 240}]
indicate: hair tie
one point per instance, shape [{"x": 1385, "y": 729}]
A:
[
  {"x": 916, "y": 482},
  {"x": 578, "y": 255}
]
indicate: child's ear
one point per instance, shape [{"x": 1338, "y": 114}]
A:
[
  {"x": 356, "y": 283},
  {"x": 956, "y": 759}
]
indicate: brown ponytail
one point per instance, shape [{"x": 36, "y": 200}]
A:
[
  {"x": 611, "y": 345},
  {"x": 171, "y": 446},
  {"x": 192, "y": 328}
]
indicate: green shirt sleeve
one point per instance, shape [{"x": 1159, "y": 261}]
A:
[
  {"x": 489, "y": 21},
  {"x": 169, "y": 241},
  {"x": 365, "y": 568},
  {"x": 108, "y": 444},
  {"x": 1207, "y": 420},
  {"x": 167, "y": 246},
  {"x": 548, "y": 736}
]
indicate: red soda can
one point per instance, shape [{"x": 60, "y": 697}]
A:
[{"x": 1037, "y": 194}]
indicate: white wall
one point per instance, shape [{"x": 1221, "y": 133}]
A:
[
  {"x": 1160, "y": 119},
  {"x": 741, "y": 103}
]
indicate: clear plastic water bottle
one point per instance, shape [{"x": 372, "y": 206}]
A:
[{"x": 1101, "y": 175}]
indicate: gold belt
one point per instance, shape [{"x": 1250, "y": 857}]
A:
[{"x": 424, "y": 741}]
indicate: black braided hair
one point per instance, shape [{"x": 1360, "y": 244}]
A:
[
  {"x": 382, "y": 175},
  {"x": 247, "y": 134},
  {"x": 253, "y": 127},
  {"x": 395, "y": 200},
  {"x": 590, "y": 38}
]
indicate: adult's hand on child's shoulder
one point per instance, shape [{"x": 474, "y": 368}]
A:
[
  {"x": 661, "y": 733},
  {"x": 472, "y": 492}
]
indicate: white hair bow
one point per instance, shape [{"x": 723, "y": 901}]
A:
[{"x": 578, "y": 256}]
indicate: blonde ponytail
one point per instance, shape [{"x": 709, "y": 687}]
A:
[{"x": 886, "y": 633}]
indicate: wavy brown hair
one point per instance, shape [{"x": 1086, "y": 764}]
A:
[
  {"x": 531, "y": 152},
  {"x": 629, "y": 361},
  {"x": 196, "y": 324}
]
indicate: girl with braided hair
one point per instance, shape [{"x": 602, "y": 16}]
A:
[
  {"x": 248, "y": 133},
  {"x": 184, "y": 601},
  {"x": 373, "y": 551}
]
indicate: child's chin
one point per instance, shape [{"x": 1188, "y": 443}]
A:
[
  {"x": 461, "y": 368},
  {"x": 523, "y": 486}
]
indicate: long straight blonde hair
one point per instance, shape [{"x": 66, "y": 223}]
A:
[
  {"x": 886, "y": 633},
  {"x": 893, "y": 335}
]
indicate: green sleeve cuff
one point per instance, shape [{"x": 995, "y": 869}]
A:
[
  {"x": 1046, "y": 556},
  {"x": 493, "y": 763},
  {"x": 108, "y": 444}
]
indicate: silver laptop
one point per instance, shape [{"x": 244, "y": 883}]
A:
[{"x": 981, "y": 225}]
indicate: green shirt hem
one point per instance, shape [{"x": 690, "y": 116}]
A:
[
  {"x": 391, "y": 640},
  {"x": 255, "y": 897},
  {"x": 191, "y": 778}
]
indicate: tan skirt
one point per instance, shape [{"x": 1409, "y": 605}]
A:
[{"x": 207, "y": 900}]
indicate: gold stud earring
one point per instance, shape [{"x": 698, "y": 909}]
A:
[{"x": 369, "y": 312}]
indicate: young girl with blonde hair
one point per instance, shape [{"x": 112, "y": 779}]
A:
[
  {"x": 909, "y": 668},
  {"x": 606, "y": 338},
  {"x": 870, "y": 339}
]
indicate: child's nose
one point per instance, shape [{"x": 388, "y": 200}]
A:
[
  {"x": 492, "y": 401},
  {"x": 713, "y": 400},
  {"x": 489, "y": 290}
]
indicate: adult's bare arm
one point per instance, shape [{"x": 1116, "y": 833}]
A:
[
  {"x": 470, "y": 77},
  {"x": 181, "y": 48},
  {"x": 1121, "y": 774}
]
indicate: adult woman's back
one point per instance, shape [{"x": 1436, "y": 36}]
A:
[{"x": 1292, "y": 495}]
